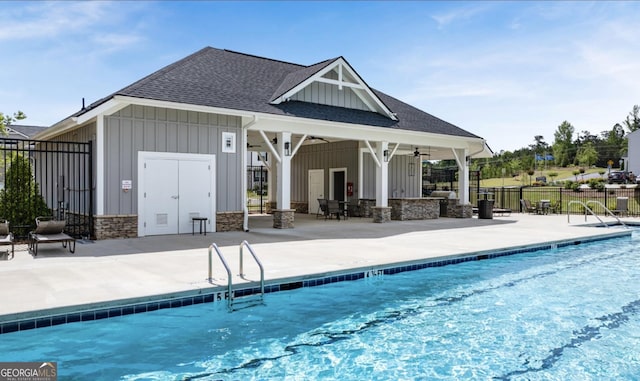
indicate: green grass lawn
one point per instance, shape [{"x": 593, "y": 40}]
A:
[{"x": 523, "y": 178}]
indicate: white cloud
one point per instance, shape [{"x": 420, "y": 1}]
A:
[
  {"x": 458, "y": 14},
  {"x": 51, "y": 19}
]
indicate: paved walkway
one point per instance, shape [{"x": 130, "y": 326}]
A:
[{"x": 145, "y": 268}]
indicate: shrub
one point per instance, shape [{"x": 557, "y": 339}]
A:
[
  {"x": 20, "y": 201},
  {"x": 596, "y": 184},
  {"x": 575, "y": 186}
]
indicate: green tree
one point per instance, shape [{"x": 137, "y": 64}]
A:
[
  {"x": 587, "y": 154},
  {"x": 20, "y": 201},
  {"x": 6, "y": 120},
  {"x": 632, "y": 122},
  {"x": 563, "y": 144}
]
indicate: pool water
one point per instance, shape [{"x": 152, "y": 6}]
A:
[{"x": 564, "y": 314}]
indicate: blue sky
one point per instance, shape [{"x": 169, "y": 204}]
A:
[{"x": 505, "y": 71}]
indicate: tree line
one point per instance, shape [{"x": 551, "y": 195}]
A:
[{"x": 583, "y": 149}]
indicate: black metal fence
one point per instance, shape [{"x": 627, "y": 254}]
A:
[
  {"x": 510, "y": 198},
  {"x": 46, "y": 178}
]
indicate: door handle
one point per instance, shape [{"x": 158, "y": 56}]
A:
[{"x": 175, "y": 197}]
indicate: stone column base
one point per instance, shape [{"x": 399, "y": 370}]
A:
[
  {"x": 381, "y": 214},
  {"x": 283, "y": 218}
]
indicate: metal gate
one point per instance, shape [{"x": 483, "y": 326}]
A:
[{"x": 46, "y": 178}]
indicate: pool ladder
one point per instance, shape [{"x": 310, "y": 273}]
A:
[
  {"x": 236, "y": 303},
  {"x": 587, "y": 209}
]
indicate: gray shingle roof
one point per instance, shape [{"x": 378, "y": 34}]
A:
[
  {"x": 22, "y": 130},
  {"x": 227, "y": 79}
]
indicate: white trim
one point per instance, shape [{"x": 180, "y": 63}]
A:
[
  {"x": 229, "y": 137},
  {"x": 99, "y": 144},
  {"x": 107, "y": 108},
  {"x": 298, "y": 125},
  {"x": 243, "y": 188},
  {"x": 341, "y": 64},
  {"x": 183, "y": 106}
]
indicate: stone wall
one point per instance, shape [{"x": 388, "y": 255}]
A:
[
  {"x": 116, "y": 226},
  {"x": 366, "y": 206},
  {"x": 229, "y": 221},
  {"x": 403, "y": 209},
  {"x": 459, "y": 211},
  {"x": 300, "y": 207}
]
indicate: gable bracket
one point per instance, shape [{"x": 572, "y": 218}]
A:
[
  {"x": 373, "y": 153},
  {"x": 270, "y": 146}
]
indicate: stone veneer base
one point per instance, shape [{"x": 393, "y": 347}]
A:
[
  {"x": 283, "y": 218},
  {"x": 381, "y": 214},
  {"x": 116, "y": 226},
  {"x": 229, "y": 221}
]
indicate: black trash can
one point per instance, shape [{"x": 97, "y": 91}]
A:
[
  {"x": 444, "y": 205},
  {"x": 485, "y": 209}
]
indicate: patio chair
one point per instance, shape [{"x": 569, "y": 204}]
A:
[
  {"x": 6, "y": 237},
  {"x": 50, "y": 231},
  {"x": 322, "y": 208},
  {"x": 556, "y": 207},
  {"x": 527, "y": 207},
  {"x": 333, "y": 207},
  {"x": 622, "y": 208}
]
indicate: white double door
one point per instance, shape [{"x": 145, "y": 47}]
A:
[{"x": 175, "y": 188}]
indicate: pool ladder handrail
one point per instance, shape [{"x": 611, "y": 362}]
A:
[
  {"x": 587, "y": 209},
  {"x": 230, "y": 296},
  {"x": 213, "y": 247},
  {"x": 608, "y": 211}
]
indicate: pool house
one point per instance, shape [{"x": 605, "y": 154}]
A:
[{"x": 174, "y": 145}]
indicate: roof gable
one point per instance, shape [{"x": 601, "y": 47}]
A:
[
  {"x": 338, "y": 74},
  {"x": 251, "y": 85}
]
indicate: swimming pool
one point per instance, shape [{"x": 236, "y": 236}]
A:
[{"x": 566, "y": 314}]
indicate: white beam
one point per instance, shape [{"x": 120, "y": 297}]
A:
[
  {"x": 270, "y": 146},
  {"x": 284, "y": 173},
  {"x": 295, "y": 150},
  {"x": 264, "y": 160},
  {"x": 340, "y": 83},
  {"x": 382, "y": 176},
  {"x": 373, "y": 153},
  {"x": 394, "y": 151}
]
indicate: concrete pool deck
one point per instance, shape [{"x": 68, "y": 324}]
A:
[{"x": 149, "y": 268}]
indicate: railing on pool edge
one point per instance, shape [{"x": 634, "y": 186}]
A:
[
  {"x": 231, "y": 299},
  {"x": 587, "y": 209}
]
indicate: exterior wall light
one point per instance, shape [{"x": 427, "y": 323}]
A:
[
  {"x": 385, "y": 153},
  {"x": 287, "y": 149}
]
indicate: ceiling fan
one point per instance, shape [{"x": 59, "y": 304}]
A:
[
  {"x": 417, "y": 153},
  {"x": 313, "y": 139}
]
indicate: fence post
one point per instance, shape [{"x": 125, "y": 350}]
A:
[{"x": 520, "y": 198}]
